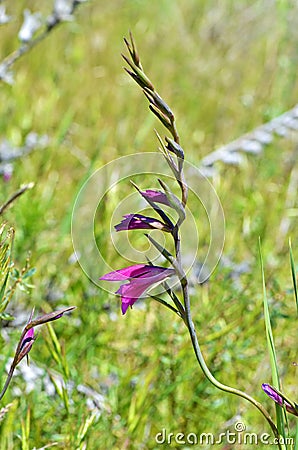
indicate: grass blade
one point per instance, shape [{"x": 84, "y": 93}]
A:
[
  {"x": 294, "y": 275},
  {"x": 271, "y": 351},
  {"x": 296, "y": 438}
]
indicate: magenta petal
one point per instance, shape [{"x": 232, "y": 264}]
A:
[
  {"x": 133, "y": 290},
  {"x": 26, "y": 345},
  {"x": 28, "y": 339},
  {"x": 156, "y": 196},
  {"x": 157, "y": 273},
  {"x": 129, "y": 295},
  {"x": 141, "y": 277},
  {"x": 29, "y": 334},
  {"x": 277, "y": 398},
  {"x": 125, "y": 303},
  {"x": 137, "y": 271},
  {"x": 125, "y": 273},
  {"x": 140, "y": 222},
  {"x": 270, "y": 391}
]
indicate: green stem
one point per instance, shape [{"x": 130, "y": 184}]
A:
[
  {"x": 190, "y": 325},
  {"x": 8, "y": 380},
  {"x": 205, "y": 369}
]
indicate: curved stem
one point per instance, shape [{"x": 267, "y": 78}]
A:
[
  {"x": 192, "y": 332},
  {"x": 14, "y": 196},
  {"x": 8, "y": 380},
  {"x": 205, "y": 369},
  {"x": 177, "y": 265}
]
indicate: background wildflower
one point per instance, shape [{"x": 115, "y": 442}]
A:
[{"x": 279, "y": 399}]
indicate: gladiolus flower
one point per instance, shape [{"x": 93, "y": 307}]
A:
[
  {"x": 140, "y": 222},
  {"x": 279, "y": 399},
  {"x": 26, "y": 344},
  {"x": 140, "y": 277},
  {"x": 156, "y": 196},
  {"x": 27, "y": 339}
]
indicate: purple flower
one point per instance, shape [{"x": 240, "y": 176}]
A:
[
  {"x": 7, "y": 171},
  {"x": 27, "y": 339},
  {"x": 140, "y": 277},
  {"x": 140, "y": 222},
  {"x": 26, "y": 344},
  {"x": 279, "y": 398},
  {"x": 155, "y": 196}
]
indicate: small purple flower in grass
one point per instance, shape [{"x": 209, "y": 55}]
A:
[
  {"x": 140, "y": 277},
  {"x": 7, "y": 171},
  {"x": 26, "y": 344},
  {"x": 27, "y": 339},
  {"x": 280, "y": 399},
  {"x": 140, "y": 222},
  {"x": 156, "y": 196}
]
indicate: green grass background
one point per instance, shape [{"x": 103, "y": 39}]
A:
[{"x": 225, "y": 67}]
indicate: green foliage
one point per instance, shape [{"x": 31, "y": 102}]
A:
[
  {"x": 294, "y": 276},
  {"x": 5, "y": 266},
  {"x": 11, "y": 278},
  {"x": 271, "y": 350}
]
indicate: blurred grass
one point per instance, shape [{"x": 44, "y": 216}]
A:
[{"x": 224, "y": 67}]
